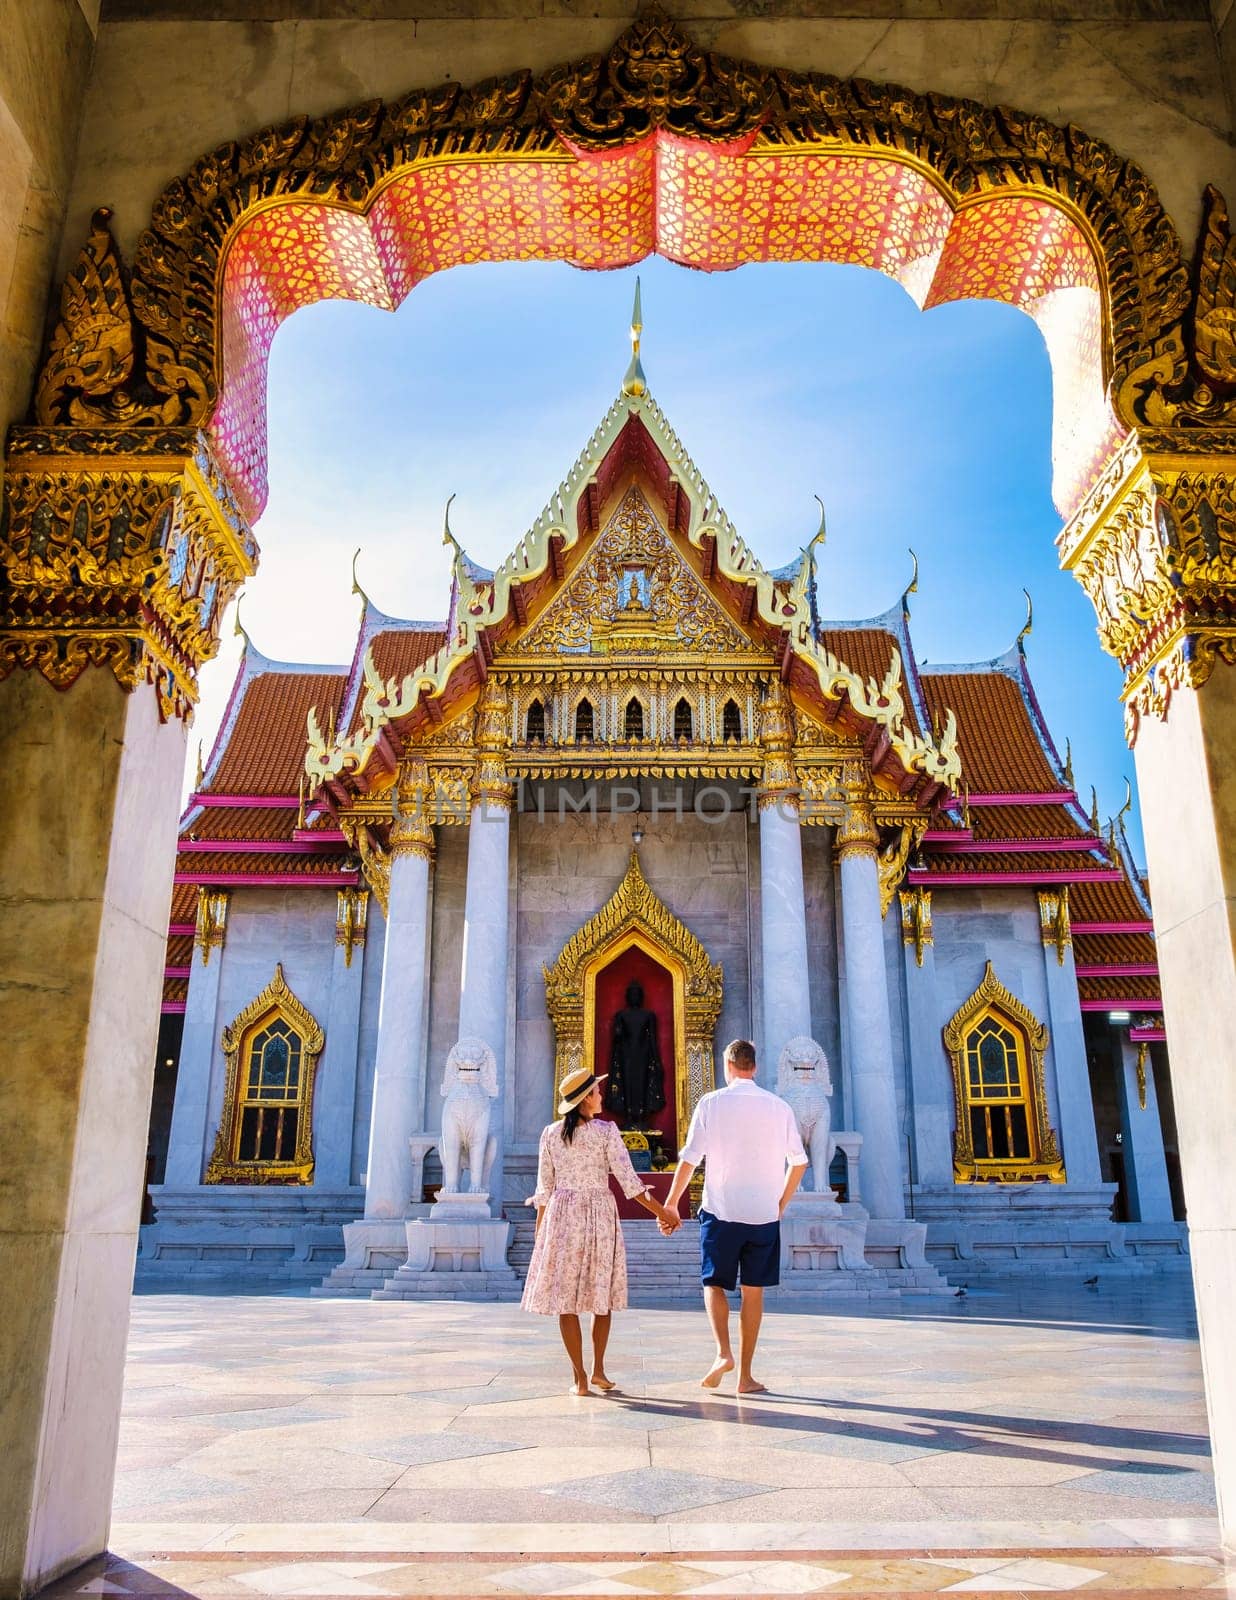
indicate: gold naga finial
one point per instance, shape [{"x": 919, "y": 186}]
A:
[
  {"x": 1096, "y": 827},
  {"x": 1068, "y": 765},
  {"x": 238, "y": 630},
  {"x": 356, "y": 584},
  {"x": 1028, "y": 626},
  {"x": 199, "y": 776},
  {"x": 1126, "y": 807},
  {"x": 447, "y": 536},
  {"x": 911, "y": 587},
  {"x": 635, "y": 383}
]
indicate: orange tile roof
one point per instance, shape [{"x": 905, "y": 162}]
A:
[
  {"x": 866, "y": 650},
  {"x": 241, "y": 822},
  {"x": 205, "y": 862},
  {"x": 964, "y": 864},
  {"x": 396, "y": 653},
  {"x": 1025, "y": 822},
  {"x": 1000, "y": 750},
  {"x": 184, "y": 903},
  {"x": 179, "y": 950},
  {"x": 175, "y": 990},
  {"x": 1127, "y": 989},
  {"x": 265, "y": 749},
  {"x": 1105, "y": 902},
  {"x": 1113, "y": 949}
]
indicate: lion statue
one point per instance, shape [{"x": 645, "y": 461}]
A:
[
  {"x": 803, "y": 1079},
  {"x": 469, "y": 1084}
]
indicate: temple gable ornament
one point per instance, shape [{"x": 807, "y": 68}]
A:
[{"x": 633, "y": 593}]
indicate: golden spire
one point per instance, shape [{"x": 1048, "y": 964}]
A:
[
  {"x": 635, "y": 384},
  {"x": 911, "y": 587},
  {"x": 1028, "y": 625},
  {"x": 1068, "y": 765},
  {"x": 447, "y": 536},
  {"x": 238, "y": 630},
  {"x": 199, "y": 776},
  {"x": 356, "y": 585}
]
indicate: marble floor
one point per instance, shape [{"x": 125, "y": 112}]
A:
[{"x": 1008, "y": 1443}]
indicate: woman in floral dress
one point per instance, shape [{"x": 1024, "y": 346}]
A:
[{"x": 579, "y": 1263}]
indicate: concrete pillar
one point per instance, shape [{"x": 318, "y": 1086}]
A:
[
  {"x": 866, "y": 998},
  {"x": 1186, "y": 773},
  {"x": 931, "y": 1084},
  {"x": 1079, "y": 1142},
  {"x": 486, "y": 955},
  {"x": 85, "y": 885},
  {"x": 191, "y": 1138},
  {"x": 783, "y": 931},
  {"x": 334, "y": 1097},
  {"x": 1145, "y": 1167},
  {"x": 398, "y": 1108}
]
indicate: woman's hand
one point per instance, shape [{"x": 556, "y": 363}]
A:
[{"x": 668, "y": 1221}]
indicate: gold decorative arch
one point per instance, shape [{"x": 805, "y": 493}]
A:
[
  {"x": 275, "y": 1000},
  {"x": 992, "y": 998},
  {"x": 634, "y": 915}
]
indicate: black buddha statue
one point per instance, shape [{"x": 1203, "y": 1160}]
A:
[{"x": 636, "y": 1087}]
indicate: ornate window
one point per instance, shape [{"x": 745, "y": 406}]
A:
[
  {"x": 731, "y": 723},
  {"x": 997, "y": 1047},
  {"x": 584, "y": 722},
  {"x": 633, "y": 723},
  {"x": 682, "y": 721},
  {"x": 266, "y": 1133},
  {"x": 535, "y": 728}
]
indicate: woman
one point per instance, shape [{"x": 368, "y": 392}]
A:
[{"x": 579, "y": 1262}]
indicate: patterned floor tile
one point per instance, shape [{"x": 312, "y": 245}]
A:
[{"x": 656, "y": 1490}]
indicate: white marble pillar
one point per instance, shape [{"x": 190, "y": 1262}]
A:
[
  {"x": 1079, "y": 1142},
  {"x": 783, "y": 930},
  {"x": 1145, "y": 1165},
  {"x": 334, "y": 1095},
  {"x": 190, "y": 1139},
  {"x": 486, "y": 954},
  {"x": 866, "y": 998},
  {"x": 398, "y": 1108},
  {"x": 930, "y": 1081}
]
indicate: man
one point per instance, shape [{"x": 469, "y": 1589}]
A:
[{"x": 754, "y": 1161}]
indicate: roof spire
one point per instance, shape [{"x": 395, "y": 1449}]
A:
[
  {"x": 635, "y": 384},
  {"x": 447, "y": 536},
  {"x": 1028, "y": 625},
  {"x": 238, "y": 630},
  {"x": 356, "y": 585},
  {"x": 911, "y": 587}
]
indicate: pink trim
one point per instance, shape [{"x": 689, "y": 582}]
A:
[
  {"x": 181, "y": 930},
  {"x": 952, "y": 843},
  {"x": 945, "y": 880},
  {"x": 1129, "y": 969},
  {"x": 1118, "y": 1002},
  {"x": 256, "y": 847},
  {"x": 1149, "y": 1035},
  {"x": 266, "y": 802},
  {"x": 173, "y": 1008},
  {"x": 946, "y": 835},
  {"x": 1055, "y": 797},
  {"x": 332, "y": 836},
  {"x": 177, "y": 972},
  {"x": 270, "y": 880},
  {"x": 1113, "y": 927}
]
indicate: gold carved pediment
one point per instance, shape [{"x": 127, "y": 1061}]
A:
[{"x": 633, "y": 594}]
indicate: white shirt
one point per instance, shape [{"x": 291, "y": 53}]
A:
[{"x": 745, "y": 1137}]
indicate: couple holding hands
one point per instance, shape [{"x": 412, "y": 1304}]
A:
[{"x": 754, "y": 1160}]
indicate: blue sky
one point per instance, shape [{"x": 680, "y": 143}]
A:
[{"x": 930, "y": 430}]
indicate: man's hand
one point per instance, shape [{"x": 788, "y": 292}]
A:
[{"x": 669, "y": 1223}]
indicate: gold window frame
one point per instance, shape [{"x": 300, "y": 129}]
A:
[
  {"x": 992, "y": 999},
  {"x": 225, "y": 1166},
  {"x": 634, "y": 916}
]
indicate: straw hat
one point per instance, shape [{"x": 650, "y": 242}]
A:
[{"x": 576, "y": 1087}]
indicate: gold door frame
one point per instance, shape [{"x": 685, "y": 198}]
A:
[{"x": 634, "y": 916}]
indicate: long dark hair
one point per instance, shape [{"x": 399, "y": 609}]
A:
[{"x": 570, "y": 1122}]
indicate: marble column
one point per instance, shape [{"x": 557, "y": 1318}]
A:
[
  {"x": 334, "y": 1096},
  {"x": 398, "y": 1108},
  {"x": 190, "y": 1138},
  {"x": 930, "y": 1081},
  {"x": 1145, "y": 1166},
  {"x": 866, "y": 999},
  {"x": 1079, "y": 1142},
  {"x": 783, "y": 931},
  {"x": 486, "y": 941},
  {"x": 85, "y": 879}
]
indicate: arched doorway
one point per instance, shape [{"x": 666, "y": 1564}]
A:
[{"x": 129, "y": 496}]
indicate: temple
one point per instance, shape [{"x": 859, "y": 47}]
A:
[{"x": 632, "y": 755}]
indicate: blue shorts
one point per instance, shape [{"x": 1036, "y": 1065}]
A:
[{"x": 733, "y": 1250}]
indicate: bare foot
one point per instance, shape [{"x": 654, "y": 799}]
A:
[
  {"x": 600, "y": 1381},
  {"x": 580, "y": 1387},
  {"x": 716, "y": 1372},
  {"x": 750, "y": 1386}
]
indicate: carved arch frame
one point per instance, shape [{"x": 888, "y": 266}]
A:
[
  {"x": 275, "y": 1000},
  {"x": 992, "y": 998},
  {"x": 634, "y": 916}
]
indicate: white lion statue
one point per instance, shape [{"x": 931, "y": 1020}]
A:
[
  {"x": 803, "y": 1079},
  {"x": 469, "y": 1084}
]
